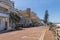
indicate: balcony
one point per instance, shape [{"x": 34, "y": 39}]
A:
[
  {"x": 4, "y": 6},
  {"x": 4, "y": 15}
]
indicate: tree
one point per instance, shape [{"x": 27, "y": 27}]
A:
[
  {"x": 46, "y": 17},
  {"x": 14, "y": 18}
]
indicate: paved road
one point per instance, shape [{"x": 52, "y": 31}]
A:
[{"x": 36, "y": 33}]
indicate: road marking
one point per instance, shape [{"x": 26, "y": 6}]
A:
[
  {"x": 42, "y": 36},
  {"x": 24, "y": 36},
  {"x": 28, "y": 37}
]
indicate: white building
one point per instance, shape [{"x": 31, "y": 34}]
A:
[
  {"x": 58, "y": 25},
  {"x": 6, "y": 6}
]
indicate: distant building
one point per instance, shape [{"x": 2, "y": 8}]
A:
[
  {"x": 58, "y": 25},
  {"x": 25, "y": 17},
  {"x": 29, "y": 17},
  {"x": 35, "y": 19}
]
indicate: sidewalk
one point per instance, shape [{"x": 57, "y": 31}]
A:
[{"x": 49, "y": 36}]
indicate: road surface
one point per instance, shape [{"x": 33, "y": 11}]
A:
[{"x": 36, "y": 33}]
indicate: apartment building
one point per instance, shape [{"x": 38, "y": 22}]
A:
[
  {"x": 35, "y": 20},
  {"x": 25, "y": 17},
  {"x": 28, "y": 17},
  {"x": 6, "y": 6}
]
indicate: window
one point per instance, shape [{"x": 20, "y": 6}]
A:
[{"x": 0, "y": 21}]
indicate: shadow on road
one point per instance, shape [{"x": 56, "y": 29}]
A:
[{"x": 5, "y": 31}]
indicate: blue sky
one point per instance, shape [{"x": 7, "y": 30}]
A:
[{"x": 39, "y": 6}]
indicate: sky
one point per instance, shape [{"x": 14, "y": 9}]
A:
[{"x": 39, "y": 7}]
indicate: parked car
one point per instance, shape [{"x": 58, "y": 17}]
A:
[{"x": 19, "y": 26}]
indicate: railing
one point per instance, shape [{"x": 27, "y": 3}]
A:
[
  {"x": 4, "y": 15},
  {"x": 4, "y": 6},
  {"x": 9, "y": 3},
  {"x": 1, "y": 11}
]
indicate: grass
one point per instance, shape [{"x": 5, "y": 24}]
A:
[{"x": 53, "y": 31}]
